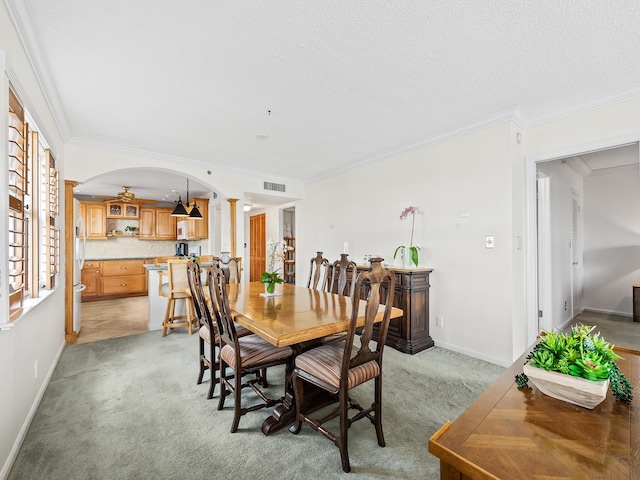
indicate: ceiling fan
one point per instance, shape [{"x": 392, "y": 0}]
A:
[{"x": 125, "y": 197}]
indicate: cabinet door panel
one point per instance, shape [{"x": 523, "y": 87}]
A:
[
  {"x": 165, "y": 224},
  {"x": 123, "y": 284},
  {"x": 122, "y": 267},
  {"x": 95, "y": 220},
  {"x": 91, "y": 279},
  {"x": 147, "y": 226}
]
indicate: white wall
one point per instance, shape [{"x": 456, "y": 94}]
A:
[
  {"x": 612, "y": 241},
  {"x": 463, "y": 189},
  {"x": 37, "y": 336}
]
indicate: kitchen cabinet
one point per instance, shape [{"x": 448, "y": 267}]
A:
[
  {"x": 156, "y": 223},
  {"x": 200, "y": 228},
  {"x": 91, "y": 278},
  {"x": 94, "y": 215},
  {"x": 106, "y": 279},
  {"x": 191, "y": 228},
  {"x": 122, "y": 210}
]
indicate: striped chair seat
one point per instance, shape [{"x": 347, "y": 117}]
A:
[
  {"x": 254, "y": 351},
  {"x": 240, "y": 331},
  {"x": 325, "y": 363}
]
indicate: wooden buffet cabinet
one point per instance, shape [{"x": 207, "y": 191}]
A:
[
  {"x": 410, "y": 333},
  {"x": 107, "y": 279}
]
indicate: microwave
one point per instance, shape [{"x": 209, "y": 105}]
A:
[{"x": 183, "y": 230}]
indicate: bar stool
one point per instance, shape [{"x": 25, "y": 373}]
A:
[{"x": 177, "y": 289}]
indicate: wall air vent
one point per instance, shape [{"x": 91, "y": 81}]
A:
[{"x": 275, "y": 187}]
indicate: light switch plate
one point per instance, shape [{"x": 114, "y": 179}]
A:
[{"x": 488, "y": 240}]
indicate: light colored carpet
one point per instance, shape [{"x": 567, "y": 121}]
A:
[{"x": 130, "y": 408}]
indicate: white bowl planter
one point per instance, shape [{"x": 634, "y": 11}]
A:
[{"x": 576, "y": 390}]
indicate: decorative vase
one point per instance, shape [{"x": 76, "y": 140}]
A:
[
  {"x": 576, "y": 390},
  {"x": 407, "y": 261},
  {"x": 269, "y": 287}
]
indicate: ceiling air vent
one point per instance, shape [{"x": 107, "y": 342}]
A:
[{"x": 275, "y": 187}]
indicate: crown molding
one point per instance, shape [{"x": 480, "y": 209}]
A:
[
  {"x": 579, "y": 166},
  {"x": 594, "y": 103},
  {"x": 510, "y": 115},
  {"x": 21, "y": 19}
]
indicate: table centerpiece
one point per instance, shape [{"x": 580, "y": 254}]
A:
[
  {"x": 275, "y": 257},
  {"x": 577, "y": 368}
]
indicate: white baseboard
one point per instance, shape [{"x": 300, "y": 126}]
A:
[
  {"x": 608, "y": 312},
  {"x": 455, "y": 348}
]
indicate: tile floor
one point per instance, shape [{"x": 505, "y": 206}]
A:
[{"x": 113, "y": 318}]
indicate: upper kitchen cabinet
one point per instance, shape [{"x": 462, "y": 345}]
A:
[
  {"x": 156, "y": 223},
  {"x": 123, "y": 210},
  {"x": 95, "y": 220},
  {"x": 195, "y": 229}
]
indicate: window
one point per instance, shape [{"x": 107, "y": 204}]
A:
[{"x": 34, "y": 241}]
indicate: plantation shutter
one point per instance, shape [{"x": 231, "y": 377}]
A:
[{"x": 17, "y": 173}]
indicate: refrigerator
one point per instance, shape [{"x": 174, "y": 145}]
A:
[{"x": 78, "y": 262}]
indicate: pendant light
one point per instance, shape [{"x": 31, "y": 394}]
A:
[{"x": 181, "y": 208}]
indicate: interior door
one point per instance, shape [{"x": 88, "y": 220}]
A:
[
  {"x": 576, "y": 255},
  {"x": 258, "y": 247}
]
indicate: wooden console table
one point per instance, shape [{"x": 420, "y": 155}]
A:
[
  {"x": 636, "y": 303},
  {"x": 511, "y": 433},
  {"x": 410, "y": 333}
]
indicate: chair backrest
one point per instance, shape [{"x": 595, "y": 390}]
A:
[
  {"x": 177, "y": 273},
  {"x": 158, "y": 260},
  {"x": 343, "y": 276},
  {"x": 376, "y": 286},
  {"x": 220, "y": 305},
  {"x": 235, "y": 270},
  {"x": 194, "y": 277},
  {"x": 318, "y": 273}
]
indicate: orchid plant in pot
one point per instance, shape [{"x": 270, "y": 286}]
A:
[
  {"x": 410, "y": 253},
  {"x": 275, "y": 256}
]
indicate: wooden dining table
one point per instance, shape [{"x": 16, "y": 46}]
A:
[{"x": 295, "y": 316}]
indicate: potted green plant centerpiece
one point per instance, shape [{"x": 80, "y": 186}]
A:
[
  {"x": 577, "y": 368},
  {"x": 130, "y": 230},
  {"x": 275, "y": 256}
]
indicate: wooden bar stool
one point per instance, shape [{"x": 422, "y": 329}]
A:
[{"x": 177, "y": 289}]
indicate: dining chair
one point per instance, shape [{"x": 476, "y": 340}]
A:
[
  {"x": 342, "y": 282},
  {"x": 338, "y": 367},
  {"x": 318, "y": 273},
  {"x": 243, "y": 355},
  {"x": 208, "y": 338},
  {"x": 176, "y": 289},
  {"x": 343, "y": 276}
]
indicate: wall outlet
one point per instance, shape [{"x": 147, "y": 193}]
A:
[
  {"x": 440, "y": 322},
  {"x": 35, "y": 369}
]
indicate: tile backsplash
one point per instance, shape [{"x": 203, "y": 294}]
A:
[{"x": 126, "y": 246}]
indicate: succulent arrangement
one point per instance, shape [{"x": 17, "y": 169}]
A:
[{"x": 580, "y": 354}]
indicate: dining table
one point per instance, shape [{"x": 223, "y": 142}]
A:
[{"x": 293, "y": 316}]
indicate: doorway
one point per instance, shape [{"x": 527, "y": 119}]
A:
[{"x": 542, "y": 257}]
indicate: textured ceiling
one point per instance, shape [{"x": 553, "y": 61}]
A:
[{"x": 300, "y": 89}]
